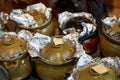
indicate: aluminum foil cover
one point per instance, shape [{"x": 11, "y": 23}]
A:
[
  {"x": 39, "y": 41},
  {"x": 4, "y": 17},
  {"x": 23, "y": 34},
  {"x": 111, "y": 62},
  {"x": 113, "y": 31},
  {"x": 65, "y": 16},
  {"x": 22, "y": 17}
]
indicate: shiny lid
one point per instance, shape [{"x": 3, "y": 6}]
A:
[
  {"x": 11, "y": 46},
  {"x": 58, "y": 54}
]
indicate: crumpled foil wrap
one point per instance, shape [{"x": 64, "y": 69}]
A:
[
  {"x": 22, "y": 17},
  {"x": 39, "y": 41},
  {"x": 23, "y": 34},
  {"x": 4, "y": 17},
  {"x": 112, "y": 62},
  {"x": 64, "y": 17},
  {"x": 112, "y": 31}
]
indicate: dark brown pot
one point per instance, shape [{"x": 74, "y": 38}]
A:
[
  {"x": 90, "y": 44},
  {"x": 89, "y": 41}
]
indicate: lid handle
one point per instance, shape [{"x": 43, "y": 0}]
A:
[
  {"x": 98, "y": 70},
  {"x": 58, "y": 42},
  {"x": 7, "y": 40}
]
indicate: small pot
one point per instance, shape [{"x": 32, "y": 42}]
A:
[
  {"x": 55, "y": 61},
  {"x": 109, "y": 46},
  {"x": 14, "y": 57},
  {"x": 87, "y": 73},
  {"x": 45, "y": 26}
]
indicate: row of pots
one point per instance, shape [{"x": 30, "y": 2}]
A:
[{"x": 18, "y": 62}]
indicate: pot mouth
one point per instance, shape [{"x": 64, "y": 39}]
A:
[
  {"x": 42, "y": 26},
  {"x": 115, "y": 41},
  {"x": 80, "y": 24}
]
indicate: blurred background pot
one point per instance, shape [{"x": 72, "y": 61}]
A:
[
  {"x": 110, "y": 46},
  {"x": 14, "y": 57},
  {"x": 55, "y": 61}
]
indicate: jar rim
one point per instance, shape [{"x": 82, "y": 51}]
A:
[{"x": 117, "y": 42}]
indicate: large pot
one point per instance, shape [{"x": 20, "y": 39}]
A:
[
  {"x": 55, "y": 61},
  {"x": 14, "y": 57},
  {"x": 109, "y": 46},
  {"x": 87, "y": 73},
  {"x": 45, "y": 26}
]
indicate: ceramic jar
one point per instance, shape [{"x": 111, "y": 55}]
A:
[
  {"x": 55, "y": 61},
  {"x": 14, "y": 57}
]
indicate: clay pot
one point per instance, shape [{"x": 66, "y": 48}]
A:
[
  {"x": 55, "y": 61},
  {"x": 14, "y": 57},
  {"x": 109, "y": 46}
]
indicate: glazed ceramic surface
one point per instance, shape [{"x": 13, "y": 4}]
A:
[
  {"x": 55, "y": 61},
  {"x": 14, "y": 57}
]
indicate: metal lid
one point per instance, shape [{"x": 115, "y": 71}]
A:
[
  {"x": 11, "y": 46},
  {"x": 58, "y": 54}
]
